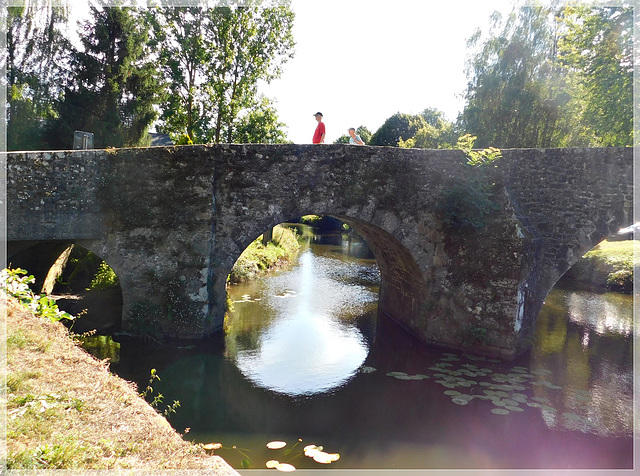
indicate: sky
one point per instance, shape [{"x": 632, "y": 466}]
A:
[{"x": 361, "y": 61}]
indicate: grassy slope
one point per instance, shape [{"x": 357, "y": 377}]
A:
[
  {"x": 609, "y": 265},
  {"x": 65, "y": 410},
  {"x": 258, "y": 259}
]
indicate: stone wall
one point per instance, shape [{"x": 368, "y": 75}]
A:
[{"x": 172, "y": 221}]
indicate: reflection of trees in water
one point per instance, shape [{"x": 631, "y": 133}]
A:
[
  {"x": 604, "y": 313},
  {"x": 584, "y": 339}
]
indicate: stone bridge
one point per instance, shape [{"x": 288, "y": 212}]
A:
[{"x": 172, "y": 221}]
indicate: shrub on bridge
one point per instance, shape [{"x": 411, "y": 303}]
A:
[{"x": 472, "y": 200}]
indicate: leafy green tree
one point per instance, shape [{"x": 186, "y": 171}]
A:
[
  {"x": 260, "y": 125},
  {"x": 213, "y": 60},
  {"x": 598, "y": 49},
  {"x": 179, "y": 40},
  {"x": 437, "y": 133},
  {"x": 515, "y": 91},
  {"x": 36, "y": 62},
  {"x": 552, "y": 77},
  {"x": 115, "y": 85},
  {"x": 396, "y": 128}
]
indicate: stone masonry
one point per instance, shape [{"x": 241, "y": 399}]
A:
[{"x": 171, "y": 221}]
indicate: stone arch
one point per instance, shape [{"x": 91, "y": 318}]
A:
[
  {"x": 48, "y": 258},
  {"x": 403, "y": 288}
]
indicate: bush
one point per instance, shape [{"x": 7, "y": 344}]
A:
[{"x": 15, "y": 284}]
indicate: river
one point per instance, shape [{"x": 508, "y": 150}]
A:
[{"x": 309, "y": 360}]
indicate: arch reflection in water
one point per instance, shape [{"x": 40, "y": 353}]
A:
[{"x": 297, "y": 332}]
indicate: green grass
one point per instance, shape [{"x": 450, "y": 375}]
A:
[
  {"x": 616, "y": 258},
  {"x": 258, "y": 259},
  {"x": 613, "y": 252}
]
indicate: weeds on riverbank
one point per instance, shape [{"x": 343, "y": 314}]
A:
[
  {"x": 257, "y": 258},
  {"x": 64, "y": 410},
  {"x": 16, "y": 283}
]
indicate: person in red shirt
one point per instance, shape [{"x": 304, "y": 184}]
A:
[{"x": 318, "y": 136}]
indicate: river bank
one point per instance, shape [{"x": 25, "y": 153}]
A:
[
  {"x": 65, "y": 410},
  {"x": 260, "y": 258},
  {"x": 609, "y": 266}
]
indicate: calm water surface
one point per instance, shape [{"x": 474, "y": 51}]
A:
[{"x": 308, "y": 357}]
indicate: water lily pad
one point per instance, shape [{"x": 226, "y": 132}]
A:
[
  {"x": 460, "y": 401},
  {"x": 285, "y": 467},
  {"x": 500, "y": 411},
  {"x": 494, "y": 361},
  {"x": 486, "y": 384},
  {"x": 451, "y": 392},
  {"x": 498, "y": 403},
  {"x": 395, "y": 374},
  {"x": 449, "y": 385},
  {"x": 367, "y": 370},
  {"x": 508, "y": 402},
  {"x": 325, "y": 458},
  {"x": 419, "y": 377},
  {"x": 513, "y": 408},
  {"x": 272, "y": 463},
  {"x": 276, "y": 445},
  {"x": 548, "y": 409},
  {"x": 403, "y": 377},
  {"x": 519, "y": 397},
  {"x": 500, "y": 393},
  {"x": 540, "y": 399},
  {"x": 534, "y": 405},
  {"x": 465, "y": 396},
  {"x": 212, "y": 446}
]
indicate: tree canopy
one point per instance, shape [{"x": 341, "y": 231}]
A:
[
  {"x": 115, "y": 87},
  {"x": 212, "y": 60},
  {"x": 191, "y": 72},
  {"x": 552, "y": 77}
]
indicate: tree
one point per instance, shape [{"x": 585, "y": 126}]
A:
[
  {"x": 397, "y": 127},
  {"x": 36, "y": 60},
  {"x": 552, "y": 77},
  {"x": 213, "y": 60},
  {"x": 598, "y": 48},
  {"x": 515, "y": 92},
  {"x": 437, "y": 133},
  {"x": 114, "y": 87},
  {"x": 260, "y": 125}
]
